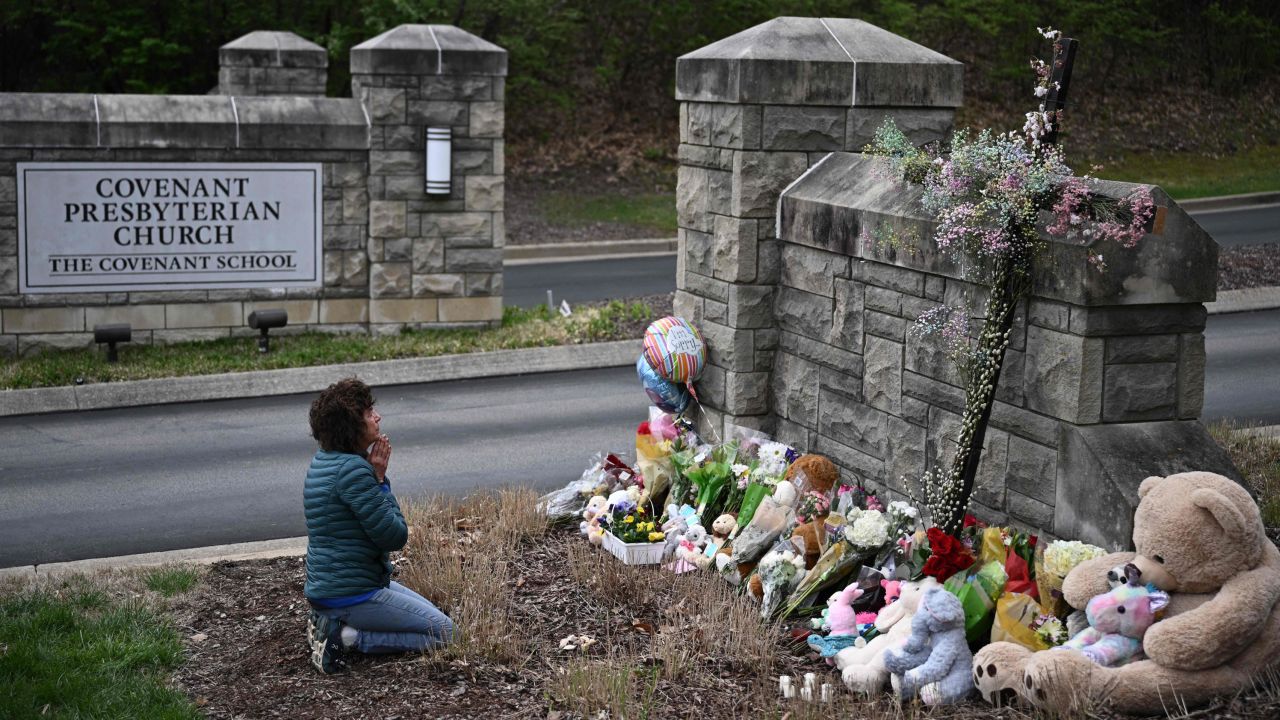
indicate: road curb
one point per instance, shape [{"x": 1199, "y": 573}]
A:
[
  {"x": 261, "y": 550},
  {"x": 1229, "y": 202},
  {"x": 554, "y": 252},
  {"x": 292, "y": 381},
  {"x": 1245, "y": 300}
]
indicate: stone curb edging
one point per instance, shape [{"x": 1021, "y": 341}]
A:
[
  {"x": 555, "y": 252},
  {"x": 1229, "y": 202},
  {"x": 1245, "y": 300},
  {"x": 260, "y": 550},
  {"x": 292, "y": 381}
]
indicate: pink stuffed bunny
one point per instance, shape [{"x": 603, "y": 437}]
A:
[{"x": 840, "y": 615}]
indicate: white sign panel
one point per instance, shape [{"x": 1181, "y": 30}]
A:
[{"x": 95, "y": 227}]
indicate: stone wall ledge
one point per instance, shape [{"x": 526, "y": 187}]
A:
[
  {"x": 186, "y": 121},
  {"x": 843, "y": 206},
  {"x": 430, "y": 50},
  {"x": 276, "y": 49},
  {"x": 839, "y": 62}
]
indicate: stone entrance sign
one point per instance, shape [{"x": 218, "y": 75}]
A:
[{"x": 85, "y": 227}]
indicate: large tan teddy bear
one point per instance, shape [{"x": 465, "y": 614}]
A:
[{"x": 1199, "y": 537}]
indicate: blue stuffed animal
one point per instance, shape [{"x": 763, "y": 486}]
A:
[{"x": 935, "y": 661}]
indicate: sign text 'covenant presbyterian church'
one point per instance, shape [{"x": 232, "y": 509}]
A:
[{"x": 94, "y": 227}]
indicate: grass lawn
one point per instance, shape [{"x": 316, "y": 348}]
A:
[
  {"x": 654, "y": 211},
  {"x": 1182, "y": 175},
  {"x": 84, "y": 649},
  {"x": 520, "y": 328},
  {"x": 1187, "y": 175}
]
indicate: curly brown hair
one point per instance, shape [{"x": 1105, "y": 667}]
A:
[{"x": 337, "y": 415}]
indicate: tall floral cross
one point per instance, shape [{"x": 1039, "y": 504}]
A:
[{"x": 987, "y": 193}]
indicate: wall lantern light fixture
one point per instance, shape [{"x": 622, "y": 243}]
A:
[{"x": 439, "y": 149}]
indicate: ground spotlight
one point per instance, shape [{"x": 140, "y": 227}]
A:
[
  {"x": 264, "y": 320},
  {"x": 111, "y": 334}
]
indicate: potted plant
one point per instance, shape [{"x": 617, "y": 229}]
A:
[{"x": 632, "y": 536}]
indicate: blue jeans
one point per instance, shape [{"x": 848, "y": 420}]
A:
[{"x": 396, "y": 619}]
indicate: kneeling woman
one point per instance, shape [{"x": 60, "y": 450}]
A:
[{"x": 353, "y": 522}]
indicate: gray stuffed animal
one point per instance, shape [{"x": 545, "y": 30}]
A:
[{"x": 935, "y": 661}]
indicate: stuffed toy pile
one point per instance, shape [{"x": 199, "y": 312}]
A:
[{"x": 1200, "y": 538}]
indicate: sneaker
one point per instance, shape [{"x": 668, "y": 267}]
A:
[{"x": 322, "y": 636}]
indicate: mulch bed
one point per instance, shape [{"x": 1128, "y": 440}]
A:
[{"x": 244, "y": 628}]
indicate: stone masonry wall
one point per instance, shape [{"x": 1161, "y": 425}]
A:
[
  {"x": 391, "y": 257},
  {"x": 422, "y": 247}
]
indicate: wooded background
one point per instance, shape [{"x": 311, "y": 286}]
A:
[{"x": 594, "y": 78}]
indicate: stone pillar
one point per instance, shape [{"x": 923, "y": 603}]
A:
[
  {"x": 272, "y": 63},
  {"x": 758, "y": 109},
  {"x": 434, "y": 260}
]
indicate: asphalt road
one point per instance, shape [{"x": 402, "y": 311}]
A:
[
  {"x": 1242, "y": 376},
  {"x": 582, "y": 280},
  {"x": 1249, "y": 226},
  {"x": 118, "y": 482}
]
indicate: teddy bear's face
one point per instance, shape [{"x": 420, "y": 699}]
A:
[
  {"x": 724, "y": 524},
  {"x": 595, "y": 506},
  {"x": 1194, "y": 531}
]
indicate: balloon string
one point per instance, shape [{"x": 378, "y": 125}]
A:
[{"x": 715, "y": 436}]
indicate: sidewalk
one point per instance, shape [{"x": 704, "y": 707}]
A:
[{"x": 293, "y": 381}]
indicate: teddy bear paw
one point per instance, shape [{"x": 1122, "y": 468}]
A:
[
  {"x": 931, "y": 694},
  {"x": 998, "y": 671},
  {"x": 863, "y": 679},
  {"x": 1058, "y": 680}
]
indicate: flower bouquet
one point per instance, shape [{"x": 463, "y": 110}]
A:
[
  {"x": 1052, "y": 565},
  {"x": 631, "y": 536},
  {"x": 766, "y": 465}
]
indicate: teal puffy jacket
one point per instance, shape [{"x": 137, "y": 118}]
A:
[{"x": 352, "y": 524}]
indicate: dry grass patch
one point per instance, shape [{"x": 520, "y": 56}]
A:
[
  {"x": 459, "y": 556},
  {"x": 1257, "y": 456}
]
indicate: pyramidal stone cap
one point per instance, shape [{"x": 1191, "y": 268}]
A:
[
  {"x": 268, "y": 48},
  {"x": 820, "y": 61},
  {"x": 428, "y": 50}
]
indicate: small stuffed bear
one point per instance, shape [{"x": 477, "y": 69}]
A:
[
  {"x": 590, "y": 525},
  {"x": 722, "y": 528},
  {"x": 936, "y": 654},
  {"x": 1118, "y": 620},
  {"x": 805, "y": 538},
  {"x": 813, "y": 472},
  {"x": 692, "y": 543}
]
